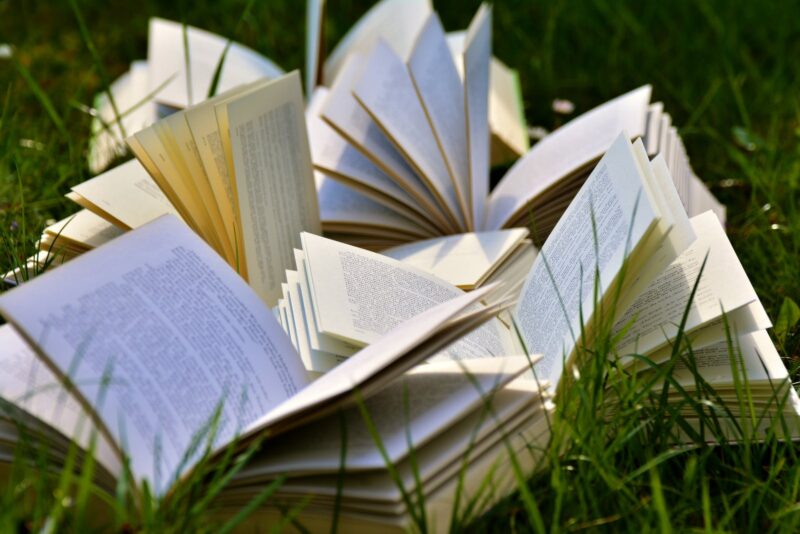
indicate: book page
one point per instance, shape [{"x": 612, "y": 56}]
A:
[
  {"x": 174, "y": 331},
  {"x": 27, "y": 383},
  {"x": 477, "y": 56},
  {"x": 167, "y": 60},
  {"x": 83, "y": 228},
  {"x": 571, "y": 147},
  {"x": 559, "y": 289},
  {"x": 387, "y": 93},
  {"x": 359, "y": 296},
  {"x": 438, "y": 395},
  {"x": 439, "y": 88},
  {"x": 182, "y": 142},
  {"x": 464, "y": 260},
  {"x": 654, "y": 316},
  {"x": 333, "y": 155},
  {"x": 274, "y": 179},
  {"x": 315, "y": 13},
  {"x": 390, "y": 356},
  {"x": 128, "y": 194},
  {"x": 137, "y": 111},
  {"x": 341, "y": 204},
  {"x": 397, "y": 22},
  {"x": 344, "y": 113}
]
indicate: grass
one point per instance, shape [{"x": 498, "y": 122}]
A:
[{"x": 726, "y": 71}]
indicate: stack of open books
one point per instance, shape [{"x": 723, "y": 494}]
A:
[{"x": 226, "y": 287}]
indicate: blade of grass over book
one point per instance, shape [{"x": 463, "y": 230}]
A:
[
  {"x": 185, "y": 88},
  {"x": 610, "y": 222}
]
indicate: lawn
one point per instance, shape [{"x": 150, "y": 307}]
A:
[{"x": 728, "y": 72}]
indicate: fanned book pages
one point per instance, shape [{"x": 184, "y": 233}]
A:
[
  {"x": 410, "y": 130},
  {"x": 237, "y": 169},
  {"x": 183, "y": 63},
  {"x": 159, "y": 337}
]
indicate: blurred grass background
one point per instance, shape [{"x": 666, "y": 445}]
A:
[{"x": 727, "y": 71}]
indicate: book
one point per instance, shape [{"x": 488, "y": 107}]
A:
[
  {"x": 410, "y": 132},
  {"x": 183, "y": 325},
  {"x": 182, "y": 64},
  {"x": 167, "y": 337},
  {"x": 237, "y": 169}
]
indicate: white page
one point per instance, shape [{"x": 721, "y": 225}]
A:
[
  {"x": 341, "y": 204},
  {"x": 439, "y": 88},
  {"x": 343, "y": 112},
  {"x": 315, "y": 12},
  {"x": 167, "y": 63},
  {"x": 321, "y": 343},
  {"x": 561, "y": 282},
  {"x": 386, "y": 91},
  {"x": 571, "y": 147},
  {"x": 390, "y": 349},
  {"x": 333, "y": 155},
  {"x": 179, "y": 330},
  {"x": 702, "y": 200},
  {"x": 507, "y": 121},
  {"x": 395, "y": 21},
  {"x": 438, "y": 395},
  {"x": 477, "y": 56},
  {"x": 464, "y": 260},
  {"x": 27, "y": 383},
  {"x": 724, "y": 286},
  {"x": 274, "y": 179},
  {"x": 315, "y": 361},
  {"x": 360, "y": 295},
  {"x": 128, "y": 194}
]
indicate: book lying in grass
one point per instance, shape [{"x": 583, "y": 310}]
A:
[
  {"x": 410, "y": 133},
  {"x": 186, "y": 65},
  {"x": 237, "y": 169},
  {"x": 162, "y": 357}
]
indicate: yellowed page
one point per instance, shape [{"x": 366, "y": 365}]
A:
[
  {"x": 128, "y": 194},
  {"x": 184, "y": 142},
  {"x": 274, "y": 179},
  {"x": 85, "y": 229},
  {"x": 141, "y": 144},
  {"x": 191, "y": 183}
]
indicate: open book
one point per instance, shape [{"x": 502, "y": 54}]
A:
[
  {"x": 411, "y": 134},
  {"x": 144, "y": 340},
  {"x": 182, "y": 63}
]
